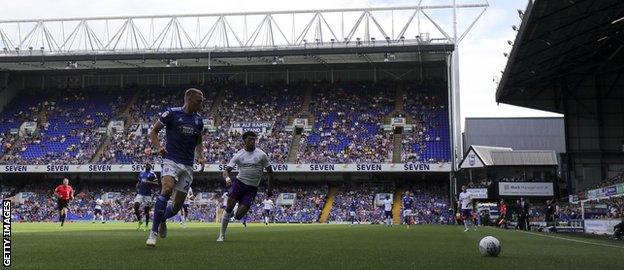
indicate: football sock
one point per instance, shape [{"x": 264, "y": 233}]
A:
[
  {"x": 147, "y": 217},
  {"x": 170, "y": 212},
  {"x": 137, "y": 213},
  {"x": 159, "y": 211},
  {"x": 224, "y": 222}
]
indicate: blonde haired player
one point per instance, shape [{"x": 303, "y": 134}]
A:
[{"x": 184, "y": 128}]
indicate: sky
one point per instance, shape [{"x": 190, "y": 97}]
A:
[{"x": 480, "y": 53}]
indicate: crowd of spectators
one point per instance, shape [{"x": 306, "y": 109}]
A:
[
  {"x": 308, "y": 204},
  {"x": 609, "y": 182},
  {"x": 274, "y": 103},
  {"x": 131, "y": 145},
  {"x": 347, "y": 127},
  {"x": 41, "y": 203},
  {"x": 69, "y": 132},
  {"x": 431, "y": 205},
  {"x": 429, "y": 141},
  {"x": 363, "y": 196}
]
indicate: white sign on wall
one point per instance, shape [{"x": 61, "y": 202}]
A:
[
  {"x": 478, "y": 193},
  {"x": 286, "y": 199},
  {"x": 600, "y": 226},
  {"x": 525, "y": 189},
  {"x": 380, "y": 197}
]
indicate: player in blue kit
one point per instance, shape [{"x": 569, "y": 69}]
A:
[
  {"x": 352, "y": 209},
  {"x": 147, "y": 181},
  {"x": 408, "y": 202},
  {"x": 184, "y": 128}
]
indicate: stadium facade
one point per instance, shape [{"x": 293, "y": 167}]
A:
[
  {"x": 567, "y": 58},
  {"x": 525, "y": 133}
]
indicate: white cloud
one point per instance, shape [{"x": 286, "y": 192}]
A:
[{"x": 481, "y": 60}]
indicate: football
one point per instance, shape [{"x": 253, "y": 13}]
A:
[{"x": 489, "y": 246}]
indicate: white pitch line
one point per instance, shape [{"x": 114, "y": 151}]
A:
[{"x": 573, "y": 240}]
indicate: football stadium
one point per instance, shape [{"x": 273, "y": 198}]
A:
[{"x": 325, "y": 138}]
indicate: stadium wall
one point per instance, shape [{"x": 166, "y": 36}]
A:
[
  {"x": 594, "y": 121},
  {"x": 7, "y": 91},
  {"x": 194, "y": 76},
  {"x": 525, "y": 133}
]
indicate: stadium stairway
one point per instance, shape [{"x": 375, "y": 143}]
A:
[
  {"x": 294, "y": 148},
  {"x": 396, "y": 207},
  {"x": 307, "y": 97},
  {"x": 328, "y": 204},
  {"x": 216, "y": 106},
  {"x": 399, "y": 106},
  {"x": 305, "y": 106},
  {"x": 42, "y": 116},
  {"x": 128, "y": 121},
  {"x": 399, "y": 102},
  {"x": 397, "y": 148},
  {"x": 125, "y": 114},
  {"x": 296, "y": 140}
]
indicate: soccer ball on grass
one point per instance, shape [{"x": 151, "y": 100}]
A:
[{"x": 489, "y": 246}]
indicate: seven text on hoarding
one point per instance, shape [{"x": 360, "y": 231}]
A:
[{"x": 220, "y": 167}]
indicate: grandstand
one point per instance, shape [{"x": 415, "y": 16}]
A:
[
  {"x": 341, "y": 112},
  {"x": 351, "y": 131},
  {"x": 578, "y": 75},
  {"x": 355, "y": 102},
  {"x": 582, "y": 84}
]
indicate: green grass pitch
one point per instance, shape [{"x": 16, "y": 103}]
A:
[{"x": 121, "y": 246}]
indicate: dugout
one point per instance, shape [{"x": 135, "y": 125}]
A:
[{"x": 497, "y": 172}]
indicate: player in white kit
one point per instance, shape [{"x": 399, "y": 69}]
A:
[
  {"x": 268, "y": 208},
  {"x": 388, "y": 211},
  {"x": 251, "y": 163},
  {"x": 97, "y": 211},
  {"x": 465, "y": 204}
]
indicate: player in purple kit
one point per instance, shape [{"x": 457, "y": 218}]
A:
[
  {"x": 251, "y": 163},
  {"x": 184, "y": 127},
  {"x": 147, "y": 180}
]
